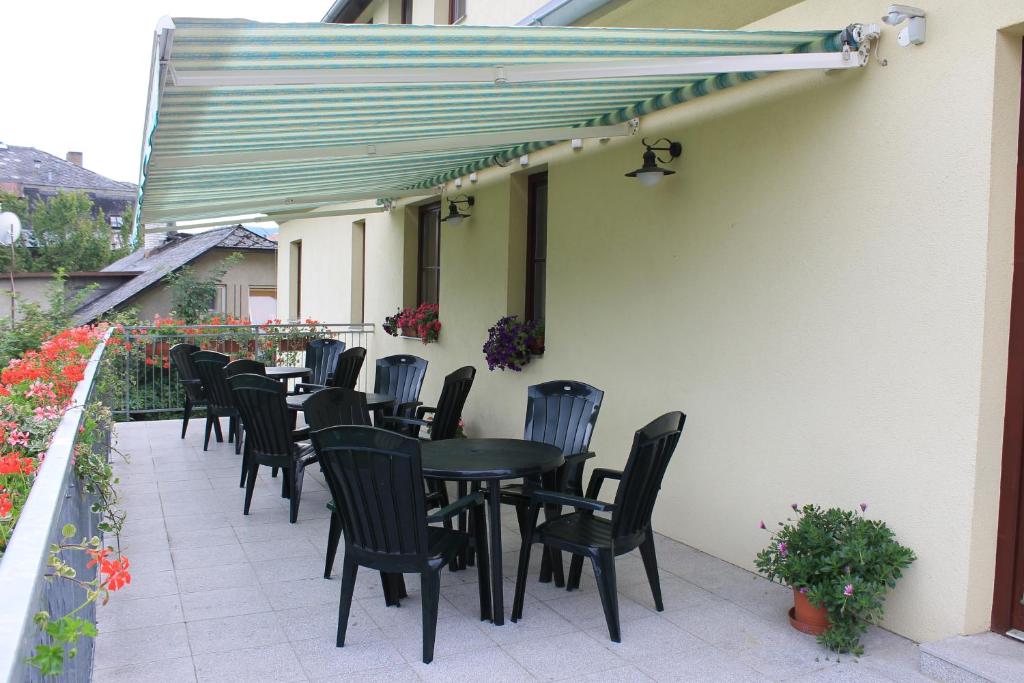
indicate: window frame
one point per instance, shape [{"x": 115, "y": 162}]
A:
[
  {"x": 406, "y": 16},
  {"x": 533, "y": 182},
  {"x": 425, "y": 212},
  {"x": 453, "y": 7}
]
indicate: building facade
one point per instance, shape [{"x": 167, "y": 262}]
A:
[{"x": 824, "y": 286}]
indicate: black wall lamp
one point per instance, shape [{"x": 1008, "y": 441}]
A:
[
  {"x": 650, "y": 173},
  {"x": 455, "y": 216}
]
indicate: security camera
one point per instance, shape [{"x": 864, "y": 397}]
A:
[{"x": 913, "y": 32}]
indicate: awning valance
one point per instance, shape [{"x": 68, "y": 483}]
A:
[{"x": 267, "y": 118}]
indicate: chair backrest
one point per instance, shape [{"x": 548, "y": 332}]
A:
[
  {"x": 261, "y": 403},
  {"x": 320, "y": 357},
  {"x": 653, "y": 446},
  {"x": 562, "y": 413},
  {"x": 449, "y": 405},
  {"x": 244, "y": 366},
  {"x": 181, "y": 358},
  {"x": 400, "y": 376},
  {"x": 335, "y": 406},
  {"x": 376, "y": 481},
  {"x": 210, "y": 366},
  {"x": 347, "y": 367}
]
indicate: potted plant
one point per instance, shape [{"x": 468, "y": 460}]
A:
[
  {"x": 511, "y": 343},
  {"x": 422, "y": 321},
  {"x": 839, "y": 565}
]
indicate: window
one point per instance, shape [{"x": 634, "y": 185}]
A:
[
  {"x": 262, "y": 304},
  {"x": 358, "y": 271},
  {"x": 428, "y": 283},
  {"x": 220, "y": 300},
  {"x": 536, "y": 245},
  {"x": 116, "y": 221},
  {"x": 406, "y": 12},
  {"x": 295, "y": 281},
  {"x": 456, "y": 11}
]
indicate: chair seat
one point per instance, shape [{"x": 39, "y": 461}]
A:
[
  {"x": 577, "y": 530},
  {"x": 444, "y": 543}
]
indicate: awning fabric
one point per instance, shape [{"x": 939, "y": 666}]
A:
[{"x": 248, "y": 117}]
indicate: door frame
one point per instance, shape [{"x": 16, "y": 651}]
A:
[{"x": 1006, "y": 606}]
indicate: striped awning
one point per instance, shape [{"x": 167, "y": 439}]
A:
[{"x": 246, "y": 117}]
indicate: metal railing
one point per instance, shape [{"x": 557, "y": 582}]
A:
[
  {"x": 154, "y": 388},
  {"x": 56, "y": 499}
]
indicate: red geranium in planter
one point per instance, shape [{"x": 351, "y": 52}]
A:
[{"x": 421, "y": 322}]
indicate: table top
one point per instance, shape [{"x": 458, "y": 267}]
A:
[
  {"x": 476, "y": 459},
  {"x": 287, "y": 371},
  {"x": 373, "y": 401}
]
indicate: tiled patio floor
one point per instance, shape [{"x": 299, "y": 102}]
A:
[{"x": 218, "y": 596}]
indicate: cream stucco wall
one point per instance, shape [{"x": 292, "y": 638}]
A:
[{"x": 823, "y": 288}]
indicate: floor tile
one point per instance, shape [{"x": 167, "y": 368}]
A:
[
  {"x": 264, "y": 663},
  {"x": 240, "y": 575},
  {"x": 564, "y": 656},
  {"x": 141, "y": 645},
  {"x": 321, "y": 657},
  {"x": 229, "y": 633},
  {"x": 225, "y": 602},
  {"x": 178, "y": 670},
  {"x": 491, "y": 664},
  {"x": 121, "y": 614}
]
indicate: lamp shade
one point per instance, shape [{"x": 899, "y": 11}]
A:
[
  {"x": 650, "y": 173},
  {"x": 10, "y": 228}
]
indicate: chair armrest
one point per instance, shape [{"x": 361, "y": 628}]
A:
[
  {"x": 448, "y": 511},
  {"x": 305, "y": 386},
  {"x": 579, "y": 458},
  {"x": 300, "y": 434},
  {"x": 406, "y": 421},
  {"x": 597, "y": 478},
  {"x": 423, "y": 410},
  {"x": 406, "y": 407},
  {"x": 542, "y": 496},
  {"x": 194, "y": 380}
]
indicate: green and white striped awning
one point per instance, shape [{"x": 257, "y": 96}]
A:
[{"x": 249, "y": 118}]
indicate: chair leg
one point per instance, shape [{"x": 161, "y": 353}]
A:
[
  {"x": 348, "y": 586},
  {"x": 273, "y": 472},
  {"x": 231, "y": 430},
  {"x": 394, "y": 589},
  {"x": 245, "y": 466},
  {"x": 604, "y": 572},
  {"x": 524, "y": 564},
  {"x": 575, "y": 573},
  {"x": 250, "y": 484},
  {"x": 479, "y": 523},
  {"x": 188, "y": 414},
  {"x": 297, "y": 475},
  {"x": 333, "y": 537},
  {"x": 238, "y": 435},
  {"x": 285, "y": 485},
  {"x": 217, "y": 430},
  {"x": 430, "y": 594},
  {"x": 209, "y": 426},
  {"x": 651, "y": 566}
]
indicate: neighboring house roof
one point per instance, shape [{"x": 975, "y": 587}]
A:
[
  {"x": 154, "y": 264},
  {"x": 29, "y": 166}
]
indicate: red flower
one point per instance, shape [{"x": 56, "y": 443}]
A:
[
  {"x": 5, "y": 503},
  {"x": 117, "y": 573}
]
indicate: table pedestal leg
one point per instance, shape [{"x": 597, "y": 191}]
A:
[{"x": 497, "y": 587}]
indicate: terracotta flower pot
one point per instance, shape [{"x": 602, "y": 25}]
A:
[
  {"x": 806, "y": 617},
  {"x": 409, "y": 331}
]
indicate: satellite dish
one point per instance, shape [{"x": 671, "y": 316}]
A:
[{"x": 10, "y": 228}]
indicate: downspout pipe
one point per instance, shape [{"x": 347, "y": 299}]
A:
[{"x": 562, "y": 12}]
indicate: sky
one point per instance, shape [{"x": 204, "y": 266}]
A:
[{"x": 76, "y": 72}]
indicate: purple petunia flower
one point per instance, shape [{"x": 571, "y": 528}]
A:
[
  {"x": 804, "y": 590},
  {"x": 782, "y": 549},
  {"x": 762, "y": 525},
  {"x": 795, "y": 507},
  {"x": 848, "y": 590},
  {"x": 863, "y": 507}
]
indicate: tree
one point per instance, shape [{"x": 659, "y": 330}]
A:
[
  {"x": 67, "y": 235},
  {"x": 192, "y": 297}
]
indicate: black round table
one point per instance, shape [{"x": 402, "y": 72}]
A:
[
  {"x": 373, "y": 401},
  {"x": 286, "y": 372},
  {"x": 490, "y": 461}
]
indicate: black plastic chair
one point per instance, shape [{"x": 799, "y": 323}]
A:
[
  {"x": 195, "y": 396},
  {"x": 244, "y": 366},
  {"x": 345, "y": 373},
  {"x": 600, "y": 539},
  {"x": 321, "y": 355},
  {"x": 562, "y": 413},
  {"x": 402, "y": 377},
  {"x": 269, "y": 439},
  {"x": 219, "y": 401},
  {"x": 376, "y": 478},
  {"x": 334, "y": 407},
  {"x": 446, "y": 416}
]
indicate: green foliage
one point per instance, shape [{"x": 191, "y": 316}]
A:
[
  {"x": 36, "y": 322},
  {"x": 192, "y": 296},
  {"x": 843, "y": 561},
  {"x": 14, "y": 204},
  {"x": 68, "y": 236}
]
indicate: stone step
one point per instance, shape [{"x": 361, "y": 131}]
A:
[{"x": 974, "y": 659}]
